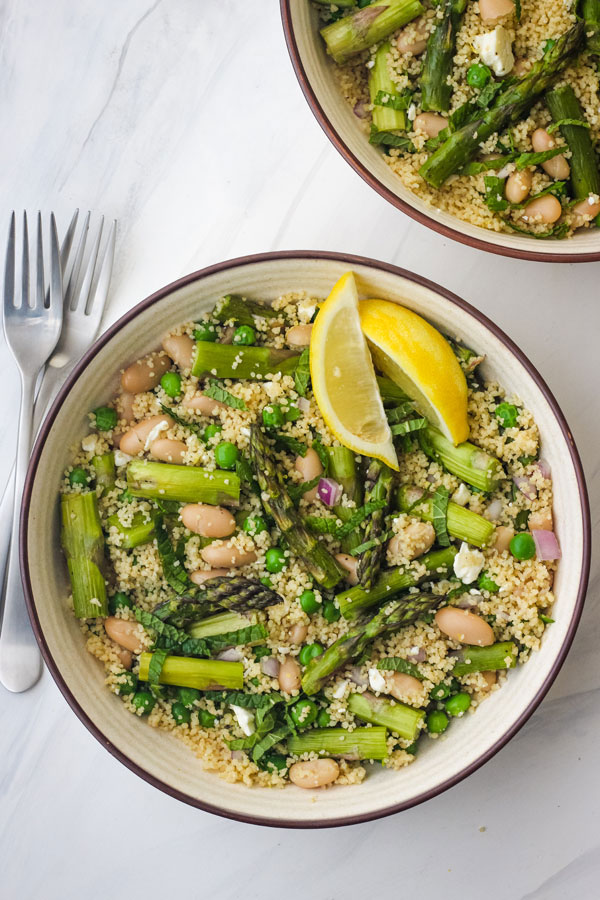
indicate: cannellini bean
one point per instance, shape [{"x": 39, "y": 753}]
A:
[
  {"x": 490, "y": 680},
  {"x": 124, "y": 633},
  {"x": 405, "y": 686},
  {"x": 126, "y": 657},
  {"x": 350, "y": 564},
  {"x": 209, "y": 521},
  {"x": 431, "y": 123},
  {"x": 289, "y": 676},
  {"x": 168, "y": 451},
  {"x": 502, "y": 538},
  {"x": 557, "y": 167},
  {"x": 314, "y": 773},
  {"x": 545, "y": 210},
  {"x": 145, "y": 374},
  {"x": 541, "y": 520},
  {"x": 414, "y": 540},
  {"x": 134, "y": 440},
  {"x": 298, "y": 335},
  {"x": 227, "y": 555},
  {"x": 309, "y": 467},
  {"x": 181, "y": 349},
  {"x": 464, "y": 626},
  {"x": 298, "y": 633},
  {"x": 206, "y": 406},
  {"x": 584, "y": 211},
  {"x": 124, "y": 405},
  {"x": 202, "y": 575},
  {"x": 518, "y": 186},
  {"x": 491, "y": 10},
  {"x": 413, "y": 38}
]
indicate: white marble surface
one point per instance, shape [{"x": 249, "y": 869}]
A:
[{"x": 183, "y": 119}]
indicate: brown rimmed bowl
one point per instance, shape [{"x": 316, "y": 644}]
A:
[
  {"x": 314, "y": 70},
  {"x": 160, "y": 758}
]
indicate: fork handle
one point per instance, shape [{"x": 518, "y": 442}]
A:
[{"x": 20, "y": 661}]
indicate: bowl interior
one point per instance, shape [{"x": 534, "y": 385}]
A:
[
  {"x": 315, "y": 72},
  {"x": 160, "y": 757}
]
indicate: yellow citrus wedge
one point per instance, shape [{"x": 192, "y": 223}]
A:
[
  {"x": 419, "y": 360},
  {"x": 343, "y": 377}
]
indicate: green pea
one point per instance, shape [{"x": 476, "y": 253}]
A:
[
  {"x": 266, "y": 581},
  {"x": 181, "y": 714},
  {"x": 308, "y": 652},
  {"x": 171, "y": 384},
  {"x": 304, "y": 713},
  {"x": 275, "y": 560},
  {"x": 206, "y": 719},
  {"x": 145, "y": 701},
  {"x": 522, "y": 546},
  {"x": 119, "y": 601},
  {"x": 308, "y": 602},
  {"x": 478, "y": 75},
  {"x": 245, "y": 334},
  {"x": 273, "y": 416},
  {"x": 226, "y": 455},
  {"x": 440, "y": 691},
  {"x": 78, "y": 476},
  {"x": 437, "y": 721},
  {"x": 106, "y": 418},
  {"x": 187, "y": 695},
  {"x": 508, "y": 414},
  {"x": 323, "y": 719},
  {"x": 128, "y": 683},
  {"x": 485, "y": 583},
  {"x": 205, "y": 331},
  {"x": 457, "y": 705},
  {"x": 254, "y": 525},
  {"x": 330, "y": 612},
  {"x": 211, "y": 430}
]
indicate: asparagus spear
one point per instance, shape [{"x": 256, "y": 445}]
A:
[
  {"x": 277, "y": 503},
  {"x": 365, "y": 27},
  {"x": 233, "y": 308},
  {"x": 386, "y": 117},
  {"x": 461, "y": 523},
  {"x": 509, "y": 106},
  {"x": 399, "y": 718},
  {"x": 163, "y": 481},
  {"x": 231, "y": 592},
  {"x": 468, "y": 462},
  {"x": 441, "y": 47},
  {"x": 378, "y": 486},
  {"x": 590, "y": 11},
  {"x": 342, "y": 468},
  {"x": 235, "y": 361},
  {"x": 362, "y": 743},
  {"x": 139, "y": 532},
  {"x": 356, "y": 599},
  {"x": 354, "y": 643},
  {"x": 202, "y": 674},
  {"x": 83, "y": 545},
  {"x": 220, "y": 624},
  {"x": 104, "y": 467},
  {"x": 486, "y": 659},
  {"x": 585, "y": 177}
]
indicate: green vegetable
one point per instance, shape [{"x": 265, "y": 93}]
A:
[
  {"x": 522, "y": 519},
  {"x": 486, "y": 659},
  {"x": 342, "y": 468},
  {"x": 590, "y": 10},
  {"x": 439, "y": 58},
  {"x": 378, "y": 488},
  {"x": 308, "y": 602},
  {"x": 273, "y": 416},
  {"x": 273, "y": 761},
  {"x": 185, "y": 671},
  {"x": 171, "y": 384},
  {"x": 507, "y": 414},
  {"x": 439, "y": 510},
  {"x": 360, "y": 30},
  {"x": 397, "y": 664},
  {"x": 139, "y": 532},
  {"x": 398, "y": 717},
  {"x": 362, "y": 743},
  {"x": 254, "y": 525},
  {"x": 226, "y": 455},
  {"x": 211, "y": 430},
  {"x": 241, "y": 311},
  {"x": 245, "y": 335},
  {"x": 437, "y": 722},
  {"x": 304, "y": 713},
  {"x": 252, "y": 363},
  {"x": 83, "y": 544},
  {"x": 206, "y": 331},
  {"x": 389, "y": 107},
  {"x": 478, "y": 75},
  {"x": 566, "y": 109},
  {"x": 106, "y": 418},
  {"x": 79, "y": 476},
  {"x": 522, "y": 546},
  {"x": 145, "y": 701},
  {"x": 206, "y": 719},
  {"x": 188, "y": 696},
  {"x": 440, "y": 691},
  {"x": 485, "y": 583},
  {"x": 119, "y": 601},
  {"x": 128, "y": 683},
  {"x": 323, "y": 719},
  {"x": 461, "y": 522},
  {"x": 547, "y": 620},
  {"x": 302, "y": 373},
  {"x": 466, "y": 461},
  {"x": 217, "y": 392},
  {"x": 275, "y": 560},
  {"x": 458, "y": 704},
  {"x": 308, "y": 652},
  {"x": 187, "y": 484},
  {"x": 261, "y": 652},
  {"x": 330, "y": 612},
  {"x": 181, "y": 714},
  {"x": 221, "y": 623}
]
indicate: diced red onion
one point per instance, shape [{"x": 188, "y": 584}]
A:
[
  {"x": 227, "y": 335},
  {"x": 430, "y": 478},
  {"x": 494, "y": 510},
  {"x": 229, "y": 655},
  {"x": 361, "y": 109},
  {"x": 303, "y": 404},
  {"x": 238, "y": 754},
  {"x": 417, "y": 654},
  {"x": 546, "y": 545},
  {"x": 269, "y": 666},
  {"x": 544, "y": 468},
  {"x": 526, "y": 486},
  {"x": 357, "y": 677},
  {"x": 329, "y": 491}
]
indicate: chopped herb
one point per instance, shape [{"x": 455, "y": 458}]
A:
[
  {"x": 296, "y": 491},
  {"x": 156, "y": 664},
  {"x": 322, "y": 454},
  {"x": 562, "y": 122},
  {"x": 522, "y": 519},
  {"x": 397, "y": 664},
  {"x": 399, "y": 413},
  {"x": 247, "y": 701},
  {"x": 292, "y": 444},
  {"x": 217, "y": 392},
  {"x": 390, "y": 139},
  {"x": 546, "y": 619},
  {"x": 302, "y": 373},
  {"x": 196, "y": 429},
  {"x": 368, "y": 545},
  {"x": 392, "y": 100},
  {"x": 262, "y": 651},
  {"x": 408, "y": 426},
  {"x": 439, "y": 507}
]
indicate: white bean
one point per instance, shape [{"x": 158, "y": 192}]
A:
[
  {"x": 145, "y": 374},
  {"x": 541, "y": 520},
  {"x": 502, "y": 538},
  {"x": 414, "y": 540},
  {"x": 518, "y": 186},
  {"x": 464, "y": 626},
  {"x": 206, "y": 406},
  {"x": 309, "y": 467},
  {"x": 298, "y": 633},
  {"x": 134, "y": 440},
  {"x": 492, "y": 10},
  {"x": 168, "y": 451},
  {"x": 557, "y": 167},
  {"x": 431, "y": 123},
  {"x": 202, "y": 575},
  {"x": 298, "y": 335},
  {"x": 314, "y": 773},
  {"x": 545, "y": 210},
  {"x": 490, "y": 680},
  {"x": 584, "y": 211},
  {"x": 209, "y": 521},
  {"x": 402, "y": 686},
  {"x": 227, "y": 555},
  {"x": 290, "y": 675},
  {"x": 413, "y": 38},
  {"x": 350, "y": 564},
  {"x": 181, "y": 349},
  {"x": 124, "y": 633}
]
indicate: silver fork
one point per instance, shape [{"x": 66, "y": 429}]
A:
[
  {"x": 85, "y": 293},
  {"x": 32, "y": 323}
]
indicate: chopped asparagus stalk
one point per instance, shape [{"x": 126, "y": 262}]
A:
[
  {"x": 356, "y": 599},
  {"x": 461, "y": 522},
  {"x": 342, "y": 468},
  {"x": 439, "y": 59},
  {"x": 233, "y": 308},
  {"x": 486, "y": 659},
  {"x": 235, "y": 361},
  {"x": 139, "y": 532},
  {"x": 83, "y": 544},
  {"x": 590, "y": 11},
  {"x": 378, "y": 486},
  {"x": 466, "y": 461},
  {"x": 365, "y": 27},
  {"x": 222, "y": 623},
  {"x": 202, "y": 674},
  {"x": 381, "y": 86},
  {"x": 399, "y": 718},
  {"x": 362, "y": 743},
  {"x": 187, "y": 484},
  {"x": 104, "y": 467},
  {"x": 585, "y": 176}
]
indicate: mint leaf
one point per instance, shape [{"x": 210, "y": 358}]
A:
[
  {"x": 302, "y": 373},
  {"x": 217, "y": 392},
  {"x": 440, "y": 502}
]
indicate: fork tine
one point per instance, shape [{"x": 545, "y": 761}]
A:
[
  {"x": 98, "y": 300},
  {"x": 25, "y": 265},
  {"x": 40, "y": 298},
  {"x": 56, "y": 290},
  {"x": 71, "y": 293},
  {"x": 67, "y": 243},
  {"x": 9, "y": 268},
  {"x": 86, "y": 285}
]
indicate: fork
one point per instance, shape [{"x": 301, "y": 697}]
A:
[
  {"x": 32, "y": 324},
  {"x": 86, "y": 291}
]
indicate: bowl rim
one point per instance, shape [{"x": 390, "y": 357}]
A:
[
  {"x": 361, "y": 169},
  {"x": 350, "y": 260}
]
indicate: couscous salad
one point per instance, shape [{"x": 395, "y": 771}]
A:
[
  {"x": 306, "y": 537},
  {"x": 488, "y": 110}
]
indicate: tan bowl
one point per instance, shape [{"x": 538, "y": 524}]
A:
[
  {"x": 313, "y": 68},
  {"x": 159, "y": 757}
]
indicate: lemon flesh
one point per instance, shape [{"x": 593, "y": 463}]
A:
[
  {"x": 420, "y": 361},
  {"x": 343, "y": 377}
]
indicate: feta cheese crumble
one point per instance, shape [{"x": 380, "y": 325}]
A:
[
  {"x": 468, "y": 563},
  {"x": 245, "y": 719},
  {"x": 377, "y": 680},
  {"x": 495, "y": 50}
]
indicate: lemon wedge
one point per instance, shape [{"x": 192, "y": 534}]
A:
[
  {"x": 343, "y": 377},
  {"x": 419, "y": 360}
]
